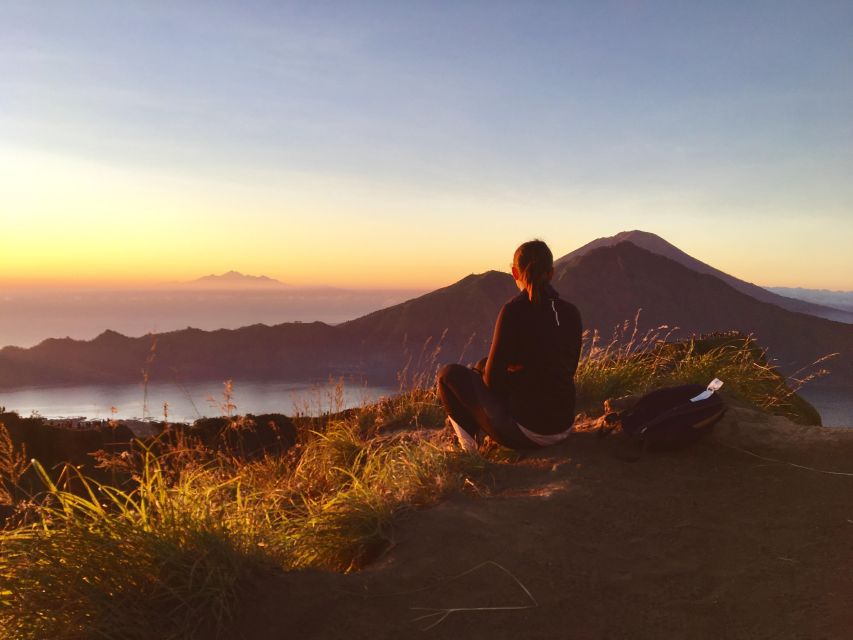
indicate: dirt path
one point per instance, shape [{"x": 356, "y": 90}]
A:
[{"x": 704, "y": 543}]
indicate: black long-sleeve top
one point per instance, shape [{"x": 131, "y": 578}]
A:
[{"x": 533, "y": 359}]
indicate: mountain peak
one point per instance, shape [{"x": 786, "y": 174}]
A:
[
  {"x": 109, "y": 334},
  {"x": 643, "y": 239},
  {"x": 655, "y": 244},
  {"x": 636, "y": 233}
]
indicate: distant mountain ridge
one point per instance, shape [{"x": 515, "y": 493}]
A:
[
  {"x": 838, "y": 299},
  {"x": 608, "y": 284},
  {"x": 656, "y": 244},
  {"x": 235, "y": 280}
]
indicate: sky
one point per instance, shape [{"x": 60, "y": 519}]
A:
[{"x": 407, "y": 144}]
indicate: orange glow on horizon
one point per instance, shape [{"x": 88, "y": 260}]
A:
[{"x": 70, "y": 223}]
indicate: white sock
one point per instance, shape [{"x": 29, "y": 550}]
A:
[{"x": 465, "y": 440}]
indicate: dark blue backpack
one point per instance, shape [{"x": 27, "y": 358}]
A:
[{"x": 673, "y": 417}]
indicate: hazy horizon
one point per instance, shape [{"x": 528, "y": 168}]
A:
[
  {"x": 33, "y": 314},
  {"x": 60, "y": 286},
  {"x": 30, "y": 317},
  {"x": 227, "y": 300}
]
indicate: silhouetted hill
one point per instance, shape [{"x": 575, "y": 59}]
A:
[
  {"x": 656, "y": 244},
  {"x": 457, "y": 319},
  {"x": 235, "y": 280},
  {"x": 608, "y": 284},
  {"x": 285, "y": 351}
]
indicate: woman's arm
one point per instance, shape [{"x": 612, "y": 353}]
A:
[
  {"x": 577, "y": 339},
  {"x": 500, "y": 355}
]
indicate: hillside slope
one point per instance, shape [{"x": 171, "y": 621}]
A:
[
  {"x": 457, "y": 319},
  {"x": 286, "y": 351}
]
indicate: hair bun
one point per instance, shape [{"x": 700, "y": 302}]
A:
[{"x": 534, "y": 262}]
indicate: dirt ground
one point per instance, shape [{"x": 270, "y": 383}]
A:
[{"x": 707, "y": 542}]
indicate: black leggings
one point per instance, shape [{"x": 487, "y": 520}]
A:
[{"x": 475, "y": 407}]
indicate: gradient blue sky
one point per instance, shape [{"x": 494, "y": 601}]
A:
[{"x": 408, "y": 144}]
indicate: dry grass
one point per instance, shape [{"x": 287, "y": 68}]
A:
[
  {"x": 633, "y": 364},
  {"x": 13, "y": 464}
]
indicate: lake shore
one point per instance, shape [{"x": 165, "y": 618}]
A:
[{"x": 188, "y": 401}]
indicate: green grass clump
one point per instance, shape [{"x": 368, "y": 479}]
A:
[
  {"x": 350, "y": 484},
  {"x": 164, "y": 559},
  {"x": 168, "y": 554},
  {"x": 638, "y": 364}
]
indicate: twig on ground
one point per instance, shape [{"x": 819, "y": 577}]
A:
[
  {"x": 443, "y": 613},
  {"x": 790, "y": 464}
]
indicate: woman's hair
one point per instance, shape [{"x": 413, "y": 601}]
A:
[{"x": 534, "y": 262}]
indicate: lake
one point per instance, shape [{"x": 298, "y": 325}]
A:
[
  {"x": 189, "y": 401},
  {"x": 835, "y": 406}
]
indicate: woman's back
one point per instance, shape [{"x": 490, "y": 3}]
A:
[{"x": 533, "y": 360}]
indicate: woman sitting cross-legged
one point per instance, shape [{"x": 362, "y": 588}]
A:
[{"x": 524, "y": 397}]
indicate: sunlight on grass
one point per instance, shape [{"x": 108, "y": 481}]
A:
[
  {"x": 166, "y": 555},
  {"x": 634, "y": 364}
]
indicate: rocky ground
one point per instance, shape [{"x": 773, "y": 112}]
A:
[{"x": 574, "y": 542}]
